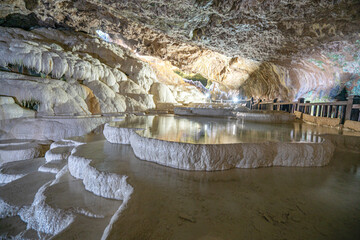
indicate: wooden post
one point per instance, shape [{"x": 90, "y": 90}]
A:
[
  {"x": 337, "y": 111},
  {"x": 307, "y": 108},
  {"x": 323, "y": 109},
  {"x": 349, "y": 107},
  {"x": 342, "y": 114},
  {"x": 271, "y": 106},
  {"x": 300, "y": 100},
  {"x": 328, "y": 111}
]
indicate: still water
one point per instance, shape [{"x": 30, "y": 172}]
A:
[{"x": 202, "y": 130}]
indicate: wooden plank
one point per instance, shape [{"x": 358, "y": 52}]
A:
[{"x": 349, "y": 107}]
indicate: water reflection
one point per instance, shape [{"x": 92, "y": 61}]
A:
[
  {"x": 204, "y": 130},
  {"x": 223, "y": 203}
]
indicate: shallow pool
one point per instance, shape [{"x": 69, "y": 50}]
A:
[{"x": 202, "y": 130}]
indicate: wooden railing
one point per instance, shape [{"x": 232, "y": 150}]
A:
[{"x": 345, "y": 110}]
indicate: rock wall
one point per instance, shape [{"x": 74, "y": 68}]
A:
[
  {"x": 71, "y": 73},
  {"x": 319, "y": 76},
  {"x": 266, "y": 49},
  {"x": 9, "y": 109},
  {"x": 68, "y": 72}
]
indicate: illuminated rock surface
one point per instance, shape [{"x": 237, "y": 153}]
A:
[
  {"x": 66, "y": 73},
  {"x": 17, "y": 150},
  {"x": 8, "y": 109},
  {"x": 48, "y": 128}
]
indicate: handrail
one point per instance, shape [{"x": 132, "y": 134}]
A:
[{"x": 345, "y": 110}]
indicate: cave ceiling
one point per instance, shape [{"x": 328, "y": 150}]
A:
[
  {"x": 238, "y": 35},
  {"x": 262, "y": 30}
]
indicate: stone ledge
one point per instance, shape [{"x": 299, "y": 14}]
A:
[
  {"x": 298, "y": 115},
  {"x": 353, "y": 125},
  {"x": 324, "y": 121}
]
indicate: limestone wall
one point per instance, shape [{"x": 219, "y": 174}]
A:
[{"x": 74, "y": 73}]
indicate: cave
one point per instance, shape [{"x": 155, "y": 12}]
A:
[{"x": 193, "y": 119}]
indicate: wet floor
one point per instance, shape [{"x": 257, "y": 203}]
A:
[{"x": 264, "y": 203}]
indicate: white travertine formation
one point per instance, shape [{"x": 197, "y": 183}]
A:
[
  {"x": 58, "y": 153},
  {"x": 53, "y": 166},
  {"x": 118, "y": 135},
  {"x": 210, "y": 157},
  {"x": 9, "y": 173},
  {"x": 162, "y": 93},
  {"x": 109, "y": 100},
  {"x": 66, "y": 143},
  {"x": 9, "y": 109},
  {"x": 187, "y": 94},
  {"x": 54, "y": 96},
  {"x": 7, "y": 210},
  {"x": 6, "y": 178},
  {"x": 109, "y": 185},
  {"x": 40, "y": 50},
  {"x": 104, "y": 184},
  {"x": 17, "y": 150},
  {"x": 77, "y": 74},
  {"x": 130, "y": 86},
  {"x": 54, "y": 129},
  {"x": 42, "y": 217},
  {"x": 86, "y": 73},
  {"x": 145, "y": 101}
]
